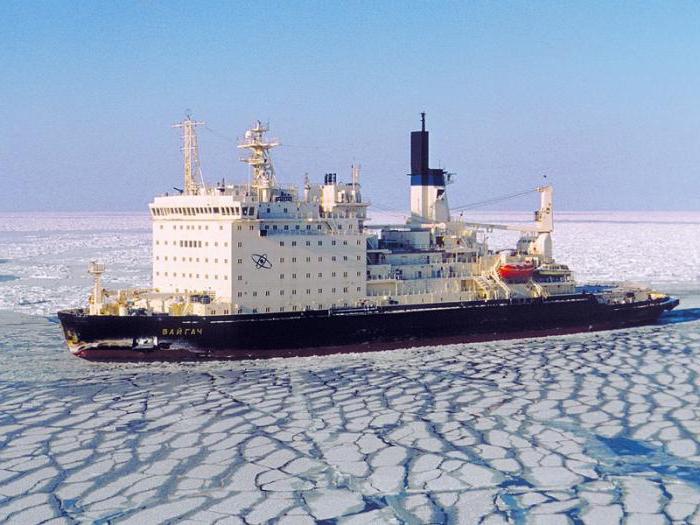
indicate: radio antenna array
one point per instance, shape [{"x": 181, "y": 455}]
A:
[{"x": 190, "y": 149}]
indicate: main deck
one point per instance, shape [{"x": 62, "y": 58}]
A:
[{"x": 158, "y": 337}]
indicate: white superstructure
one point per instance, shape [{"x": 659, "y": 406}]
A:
[{"x": 264, "y": 247}]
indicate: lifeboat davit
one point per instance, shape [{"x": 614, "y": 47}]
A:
[{"x": 516, "y": 271}]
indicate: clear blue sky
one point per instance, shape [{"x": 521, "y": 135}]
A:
[{"x": 603, "y": 97}]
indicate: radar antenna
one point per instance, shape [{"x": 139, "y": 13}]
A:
[
  {"x": 263, "y": 170},
  {"x": 190, "y": 149}
]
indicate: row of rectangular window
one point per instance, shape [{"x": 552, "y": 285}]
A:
[
  {"x": 199, "y": 227},
  {"x": 320, "y": 243},
  {"x": 196, "y": 244},
  {"x": 189, "y": 259},
  {"x": 308, "y": 227},
  {"x": 320, "y": 259},
  {"x": 308, "y": 275},
  {"x": 308, "y": 291},
  {"x": 196, "y": 276},
  {"x": 295, "y": 308},
  {"x": 245, "y": 211}
]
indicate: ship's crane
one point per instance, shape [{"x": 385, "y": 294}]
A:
[
  {"x": 542, "y": 229},
  {"x": 544, "y": 219},
  {"x": 544, "y": 222}
]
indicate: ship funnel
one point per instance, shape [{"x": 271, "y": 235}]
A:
[
  {"x": 428, "y": 193},
  {"x": 420, "y": 150}
]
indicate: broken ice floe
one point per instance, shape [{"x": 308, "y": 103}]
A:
[{"x": 591, "y": 427}]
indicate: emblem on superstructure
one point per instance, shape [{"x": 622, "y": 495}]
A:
[{"x": 261, "y": 261}]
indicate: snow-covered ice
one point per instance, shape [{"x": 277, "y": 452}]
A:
[{"x": 591, "y": 428}]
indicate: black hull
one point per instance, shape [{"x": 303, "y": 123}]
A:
[{"x": 164, "y": 337}]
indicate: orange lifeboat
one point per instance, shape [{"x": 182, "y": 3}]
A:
[{"x": 516, "y": 271}]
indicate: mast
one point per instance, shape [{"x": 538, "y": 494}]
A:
[
  {"x": 96, "y": 270},
  {"x": 190, "y": 149},
  {"x": 263, "y": 171},
  {"x": 356, "y": 174}
]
